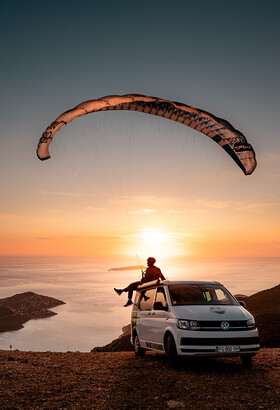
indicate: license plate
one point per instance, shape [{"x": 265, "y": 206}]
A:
[{"x": 227, "y": 349}]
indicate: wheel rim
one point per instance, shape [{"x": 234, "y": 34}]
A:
[{"x": 136, "y": 344}]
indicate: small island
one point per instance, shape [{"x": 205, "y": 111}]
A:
[
  {"x": 18, "y": 309},
  {"x": 136, "y": 267}
]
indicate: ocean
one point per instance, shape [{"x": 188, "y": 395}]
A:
[{"x": 94, "y": 314}]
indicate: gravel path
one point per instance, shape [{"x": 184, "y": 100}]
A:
[{"x": 119, "y": 380}]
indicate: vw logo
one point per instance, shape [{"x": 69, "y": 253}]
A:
[{"x": 225, "y": 325}]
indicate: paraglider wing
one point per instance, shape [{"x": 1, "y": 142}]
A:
[{"x": 219, "y": 130}]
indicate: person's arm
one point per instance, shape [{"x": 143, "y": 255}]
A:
[
  {"x": 143, "y": 277},
  {"x": 161, "y": 276}
]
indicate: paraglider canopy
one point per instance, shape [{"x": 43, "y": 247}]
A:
[{"x": 218, "y": 129}]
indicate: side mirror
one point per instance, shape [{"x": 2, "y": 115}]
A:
[
  {"x": 243, "y": 304},
  {"x": 159, "y": 306}
]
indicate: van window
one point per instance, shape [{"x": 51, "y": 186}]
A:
[
  {"x": 200, "y": 295},
  {"x": 147, "y": 299},
  {"x": 160, "y": 297}
]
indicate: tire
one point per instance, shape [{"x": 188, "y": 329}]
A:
[
  {"x": 138, "y": 350},
  {"x": 246, "y": 361},
  {"x": 173, "y": 358}
]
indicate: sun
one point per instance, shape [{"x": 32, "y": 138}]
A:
[
  {"x": 155, "y": 242},
  {"x": 153, "y": 237}
]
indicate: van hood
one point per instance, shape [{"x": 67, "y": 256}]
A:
[{"x": 214, "y": 312}]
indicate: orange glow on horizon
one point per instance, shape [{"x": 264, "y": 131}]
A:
[{"x": 146, "y": 242}]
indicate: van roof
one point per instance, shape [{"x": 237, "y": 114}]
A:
[
  {"x": 191, "y": 282},
  {"x": 156, "y": 283}
]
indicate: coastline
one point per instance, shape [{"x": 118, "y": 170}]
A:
[{"x": 18, "y": 309}]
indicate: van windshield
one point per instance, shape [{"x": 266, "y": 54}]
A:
[{"x": 200, "y": 295}]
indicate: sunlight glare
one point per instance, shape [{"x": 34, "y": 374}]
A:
[
  {"x": 155, "y": 242},
  {"x": 153, "y": 237}
]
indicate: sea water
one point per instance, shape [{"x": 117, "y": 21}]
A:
[{"x": 93, "y": 314}]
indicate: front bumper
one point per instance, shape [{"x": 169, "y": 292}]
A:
[{"x": 190, "y": 343}]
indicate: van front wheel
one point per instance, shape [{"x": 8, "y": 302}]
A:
[
  {"x": 171, "y": 351},
  {"x": 138, "y": 350}
]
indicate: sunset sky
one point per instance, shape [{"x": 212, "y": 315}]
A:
[{"x": 121, "y": 183}]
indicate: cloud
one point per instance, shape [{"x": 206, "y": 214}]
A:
[
  {"x": 27, "y": 219},
  {"x": 62, "y": 193},
  {"x": 203, "y": 205},
  {"x": 180, "y": 236},
  {"x": 137, "y": 199},
  {"x": 258, "y": 206},
  {"x": 171, "y": 205},
  {"x": 174, "y": 205},
  {"x": 112, "y": 238},
  {"x": 53, "y": 193},
  {"x": 26, "y": 222},
  {"x": 213, "y": 204},
  {"x": 142, "y": 212},
  {"x": 200, "y": 206},
  {"x": 177, "y": 236},
  {"x": 185, "y": 211}
]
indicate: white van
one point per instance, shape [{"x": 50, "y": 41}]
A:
[{"x": 192, "y": 319}]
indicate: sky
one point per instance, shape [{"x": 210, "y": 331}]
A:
[{"x": 121, "y": 183}]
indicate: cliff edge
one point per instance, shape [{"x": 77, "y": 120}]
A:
[{"x": 119, "y": 380}]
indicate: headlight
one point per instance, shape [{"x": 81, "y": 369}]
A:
[
  {"x": 187, "y": 324},
  {"x": 251, "y": 324}
]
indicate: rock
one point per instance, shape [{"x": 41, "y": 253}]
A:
[
  {"x": 118, "y": 345},
  {"x": 18, "y": 309},
  {"x": 174, "y": 404},
  {"x": 265, "y": 307}
]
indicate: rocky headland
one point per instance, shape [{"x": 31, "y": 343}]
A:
[{"x": 18, "y": 309}]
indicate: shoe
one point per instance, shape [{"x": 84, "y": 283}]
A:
[
  {"x": 128, "y": 303},
  {"x": 119, "y": 291}
]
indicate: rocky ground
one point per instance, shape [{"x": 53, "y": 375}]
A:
[{"x": 119, "y": 380}]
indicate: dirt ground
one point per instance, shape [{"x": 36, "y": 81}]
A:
[{"x": 119, "y": 380}]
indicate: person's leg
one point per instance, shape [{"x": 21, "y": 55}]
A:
[{"x": 130, "y": 288}]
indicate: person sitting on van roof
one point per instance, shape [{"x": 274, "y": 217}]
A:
[{"x": 151, "y": 273}]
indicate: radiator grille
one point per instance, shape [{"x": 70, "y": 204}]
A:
[{"x": 216, "y": 325}]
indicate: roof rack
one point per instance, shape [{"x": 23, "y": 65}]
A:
[{"x": 158, "y": 282}]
